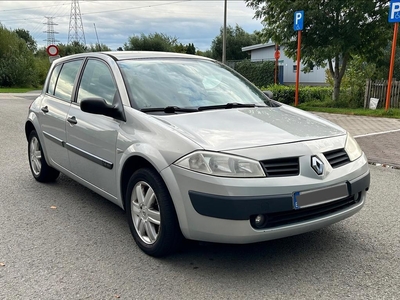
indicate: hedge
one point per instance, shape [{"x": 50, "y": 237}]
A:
[
  {"x": 286, "y": 94},
  {"x": 259, "y": 73}
]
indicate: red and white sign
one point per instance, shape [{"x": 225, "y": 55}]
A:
[{"x": 52, "y": 50}]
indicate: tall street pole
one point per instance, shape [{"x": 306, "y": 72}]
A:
[{"x": 224, "y": 35}]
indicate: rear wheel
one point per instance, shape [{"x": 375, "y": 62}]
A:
[
  {"x": 151, "y": 214},
  {"x": 41, "y": 171}
]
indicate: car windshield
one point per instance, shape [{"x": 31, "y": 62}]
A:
[{"x": 186, "y": 83}]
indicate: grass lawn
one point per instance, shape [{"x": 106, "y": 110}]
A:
[
  {"x": 391, "y": 113},
  {"x": 16, "y": 90}
]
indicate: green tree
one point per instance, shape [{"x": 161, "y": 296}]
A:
[
  {"x": 180, "y": 48},
  {"x": 236, "y": 38},
  {"x": 206, "y": 53},
  {"x": 98, "y": 48},
  {"x": 72, "y": 48},
  {"x": 17, "y": 64},
  {"x": 26, "y": 36},
  {"x": 152, "y": 42},
  {"x": 191, "y": 49},
  {"x": 334, "y": 31}
]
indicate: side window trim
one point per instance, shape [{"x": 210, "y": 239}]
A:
[{"x": 77, "y": 83}]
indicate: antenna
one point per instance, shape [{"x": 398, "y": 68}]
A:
[
  {"x": 51, "y": 40},
  {"x": 76, "y": 32}
]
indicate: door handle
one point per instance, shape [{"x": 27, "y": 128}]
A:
[
  {"x": 72, "y": 120},
  {"x": 45, "y": 109}
]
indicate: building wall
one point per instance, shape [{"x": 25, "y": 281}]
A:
[{"x": 317, "y": 77}]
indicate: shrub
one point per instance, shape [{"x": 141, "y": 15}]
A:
[{"x": 286, "y": 94}]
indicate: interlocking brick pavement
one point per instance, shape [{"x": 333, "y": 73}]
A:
[{"x": 378, "y": 137}]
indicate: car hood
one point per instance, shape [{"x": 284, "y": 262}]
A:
[{"x": 231, "y": 129}]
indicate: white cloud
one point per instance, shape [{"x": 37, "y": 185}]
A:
[{"x": 195, "y": 22}]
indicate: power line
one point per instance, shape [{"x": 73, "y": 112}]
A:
[{"x": 107, "y": 11}]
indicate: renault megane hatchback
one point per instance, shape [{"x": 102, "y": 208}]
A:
[{"x": 190, "y": 149}]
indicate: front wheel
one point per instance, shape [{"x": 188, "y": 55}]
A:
[
  {"x": 41, "y": 171},
  {"x": 151, "y": 214}
]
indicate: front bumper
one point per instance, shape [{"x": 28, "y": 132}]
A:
[
  {"x": 278, "y": 209},
  {"x": 223, "y": 209}
]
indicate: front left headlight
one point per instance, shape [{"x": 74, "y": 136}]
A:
[
  {"x": 352, "y": 148},
  {"x": 219, "y": 164}
]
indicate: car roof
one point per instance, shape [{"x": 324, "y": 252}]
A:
[
  {"x": 121, "y": 55},
  {"x": 125, "y": 55}
]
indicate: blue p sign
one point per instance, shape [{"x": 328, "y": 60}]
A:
[
  {"x": 299, "y": 20},
  {"x": 394, "y": 11}
]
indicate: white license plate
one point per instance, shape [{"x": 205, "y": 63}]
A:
[{"x": 319, "y": 196}]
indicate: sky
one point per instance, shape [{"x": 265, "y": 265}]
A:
[{"x": 191, "y": 21}]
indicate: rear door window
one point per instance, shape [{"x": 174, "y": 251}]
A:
[
  {"x": 66, "y": 79},
  {"x": 53, "y": 79}
]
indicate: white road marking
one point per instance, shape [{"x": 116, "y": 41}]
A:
[{"x": 376, "y": 133}]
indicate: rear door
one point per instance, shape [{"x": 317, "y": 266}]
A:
[
  {"x": 54, "y": 109},
  {"x": 92, "y": 138}
]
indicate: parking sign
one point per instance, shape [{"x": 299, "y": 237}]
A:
[
  {"x": 394, "y": 11},
  {"x": 299, "y": 20}
]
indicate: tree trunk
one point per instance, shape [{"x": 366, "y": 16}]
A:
[
  {"x": 337, "y": 73},
  {"x": 336, "y": 88}
]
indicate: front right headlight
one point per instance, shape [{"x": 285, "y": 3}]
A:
[
  {"x": 352, "y": 148},
  {"x": 220, "y": 164}
]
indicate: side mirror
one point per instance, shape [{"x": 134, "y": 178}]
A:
[
  {"x": 99, "y": 106},
  {"x": 269, "y": 94}
]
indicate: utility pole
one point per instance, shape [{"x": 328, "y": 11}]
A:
[
  {"x": 224, "y": 35},
  {"x": 76, "y": 32},
  {"x": 51, "y": 40}
]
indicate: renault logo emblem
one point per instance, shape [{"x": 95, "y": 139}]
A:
[{"x": 317, "y": 165}]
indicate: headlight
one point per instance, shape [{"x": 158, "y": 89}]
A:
[
  {"x": 218, "y": 164},
  {"x": 352, "y": 148}
]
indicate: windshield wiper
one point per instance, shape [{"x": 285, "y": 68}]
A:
[
  {"x": 169, "y": 109},
  {"x": 229, "y": 105}
]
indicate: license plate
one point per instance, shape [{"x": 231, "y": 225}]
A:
[{"x": 319, "y": 196}]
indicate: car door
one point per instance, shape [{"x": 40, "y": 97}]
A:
[
  {"x": 92, "y": 138},
  {"x": 54, "y": 109}
]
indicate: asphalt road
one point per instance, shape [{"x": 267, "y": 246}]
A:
[{"x": 62, "y": 241}]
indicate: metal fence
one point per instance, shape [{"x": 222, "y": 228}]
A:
[{"x": 378, "y": 89}]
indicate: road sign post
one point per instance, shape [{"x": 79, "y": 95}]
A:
[
  {"x": 394, "y": 17},
  {"x": 277, "y": 56},
  {"x": 52, "y": 51},
  {"x": 298, "y": 26}
]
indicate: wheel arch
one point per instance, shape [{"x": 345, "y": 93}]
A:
[
  {"x": 29, "y": 127},
  {"x": 131, "y": 165}
]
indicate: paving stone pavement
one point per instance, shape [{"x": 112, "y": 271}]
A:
[{"x": 378, "y": 137}]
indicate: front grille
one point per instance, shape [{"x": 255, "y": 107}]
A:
[
  {"x": 281, "y": 167},
  {"x": 337, "y": 158},
  {"x": 305, "y": 214}
]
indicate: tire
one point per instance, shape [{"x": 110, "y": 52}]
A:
[
  {"x": 41, "y": 171},
  {"x": 151, "y": 214}
]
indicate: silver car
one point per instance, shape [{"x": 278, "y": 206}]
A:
[{"x": 190, "y": 149}]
